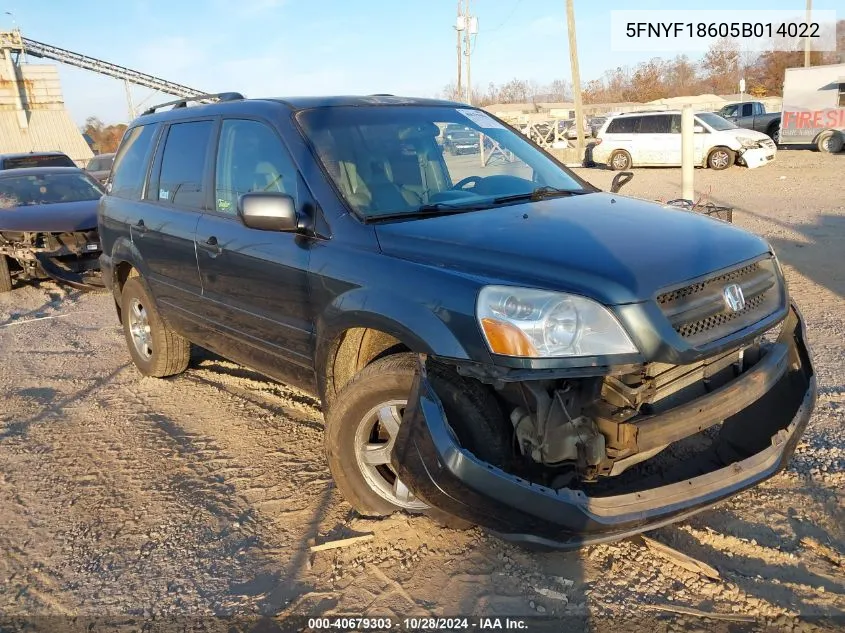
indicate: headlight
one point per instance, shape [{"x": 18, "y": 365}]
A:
[
  {"x": 747, "y": 141},
  {"x": 536, "y": 323}
]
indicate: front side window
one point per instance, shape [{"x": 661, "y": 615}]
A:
[
  {"x": 250, "y": 158},
  {"x": 183, "y": 164},
  {"x": 747, "y": 109},
  {"x": 47, "y": 188},
  {"x": 386, "y": 160},
  {"x": 130, "y": 163}
]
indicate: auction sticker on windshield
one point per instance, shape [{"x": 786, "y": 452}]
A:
[{"x": 481, "y": 119}]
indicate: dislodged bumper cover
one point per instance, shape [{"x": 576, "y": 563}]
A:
[{"x": 430, "y": 461}]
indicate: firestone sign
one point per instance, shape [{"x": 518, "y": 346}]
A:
[{"x": 802, "y": 123}]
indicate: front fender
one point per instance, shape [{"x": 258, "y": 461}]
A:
[{"x": 420, "y": 327}]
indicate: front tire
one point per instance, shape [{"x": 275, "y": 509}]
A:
[
  {"x": 720, "y": 158},
  {"x": 155, "y": 349},
  {"x": 362, "y": 423},
  {"x": 5, "y": 275}
]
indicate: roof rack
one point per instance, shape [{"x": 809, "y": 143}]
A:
[{"x": 202, "y": 98}]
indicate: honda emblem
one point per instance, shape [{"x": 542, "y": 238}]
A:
[{"x": 734, "y": 298}]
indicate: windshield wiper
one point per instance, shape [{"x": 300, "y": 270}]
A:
[
  {"x": 435, "y": 208},
  {"x": 540, "y": 193}
]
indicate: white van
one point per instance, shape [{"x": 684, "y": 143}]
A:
[{"x": 653, "y": 139}]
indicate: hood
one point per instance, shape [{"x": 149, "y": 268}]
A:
[
  {"x": 605, "y": 246},
  {"x": 61, "y": 217},
  {"x": 757, "y": 136}
]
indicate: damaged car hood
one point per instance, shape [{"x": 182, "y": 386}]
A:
[
  {"x": 60, "y": 217},
  {"x": 609, "y": 247}
]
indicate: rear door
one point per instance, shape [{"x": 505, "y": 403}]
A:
[
  {"x": 653, "y": 143},
  {"x": 164, "y": 232},
  {"x": 255, "y": 283}
]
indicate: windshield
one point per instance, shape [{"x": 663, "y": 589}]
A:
[
  {"x": 38, "y": 160},
  {"x": 22, "y": 191},
  {"x": 386, "y": 160},
  {"x": 715, "y": 121}
]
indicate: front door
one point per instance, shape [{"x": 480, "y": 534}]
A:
[{"x": 255, "y": 283}]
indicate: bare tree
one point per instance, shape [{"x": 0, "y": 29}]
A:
[{"x": 721, "y": 66}]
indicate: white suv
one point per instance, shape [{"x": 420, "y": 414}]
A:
[{"x": 652, "y": 139}]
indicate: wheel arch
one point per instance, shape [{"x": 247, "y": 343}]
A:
[
  {"x": 349, "y": 340},
  {"x": 126, "y": 262}
]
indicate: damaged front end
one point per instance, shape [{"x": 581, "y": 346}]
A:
[
  {"x": 603, "y": 454},
  {"x": 71, "y": 258}
]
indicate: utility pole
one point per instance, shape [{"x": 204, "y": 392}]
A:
[
  {"x": 806, "y": 39},
  {"x": 459, "y": 27},
  {"x": 469, "y": 31},
  {"x": 576, "y": 75}
]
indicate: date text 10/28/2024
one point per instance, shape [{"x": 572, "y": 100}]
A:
[{"x": 416, "y": 624}]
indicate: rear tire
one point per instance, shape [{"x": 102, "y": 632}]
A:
[
  {"x": 830, "y": 142},
  {"x": 352, "y": 432},
  {"x": 774, "y": 133},
  {"x": 620, "y": 160},
  {"x": 5, "y": 275},
  {"x": 720, "y": 158},
  {"x": 155, "y": 349}
]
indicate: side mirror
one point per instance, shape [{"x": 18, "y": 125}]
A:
[
  {"x": 268, "y": 211},
  {"x": 697, "y": 129}
]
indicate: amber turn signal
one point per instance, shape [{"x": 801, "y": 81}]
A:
[{"x": 507, "y": 339}]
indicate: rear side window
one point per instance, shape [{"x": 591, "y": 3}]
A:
[
  {"x": 183, "y": 165},
  {"x": 623, "y": 125},
  {"x": 657, "y": 124},
  {"x": 130, "y": 163}
]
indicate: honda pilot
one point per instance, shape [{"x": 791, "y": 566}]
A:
[{"x": 498, "y": 342}]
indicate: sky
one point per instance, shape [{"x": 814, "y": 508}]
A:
[{"x": 317, "y": 47}]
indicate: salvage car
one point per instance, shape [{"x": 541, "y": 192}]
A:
[
  {"x": 48, "y": 227},
  {"x": 35, "y": 159},
  {"x": 100, "y": 166},
  {"x": 653, "y": 139},
  {"x": 504, "y": 344}
]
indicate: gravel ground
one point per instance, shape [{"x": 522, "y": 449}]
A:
[{"x": 126, "y": 497}]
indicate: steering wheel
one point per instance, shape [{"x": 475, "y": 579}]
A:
[{"x": 473, "y": 180}]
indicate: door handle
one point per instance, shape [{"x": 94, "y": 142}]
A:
[
  {"x": 211, "y": 246},
  {"x": 140, "y": 228}
]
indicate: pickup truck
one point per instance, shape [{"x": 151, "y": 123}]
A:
[{"x": 752, "y": 115}]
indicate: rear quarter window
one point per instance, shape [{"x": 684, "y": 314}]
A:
[{"x": 130, "y": 163}]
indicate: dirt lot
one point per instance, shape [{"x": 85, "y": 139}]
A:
[{"x": 128, "y": 496}]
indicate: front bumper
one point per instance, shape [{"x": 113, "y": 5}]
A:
[
  {"x": 756, "y": 157},
  {"x": 429, "y": 460}
]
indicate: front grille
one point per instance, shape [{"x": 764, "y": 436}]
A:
[{"x": 699, "y": 312}]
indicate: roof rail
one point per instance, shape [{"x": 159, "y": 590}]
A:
[
  {"x": 382, "y": 94},
  {"x": 203, "y": 98}
]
